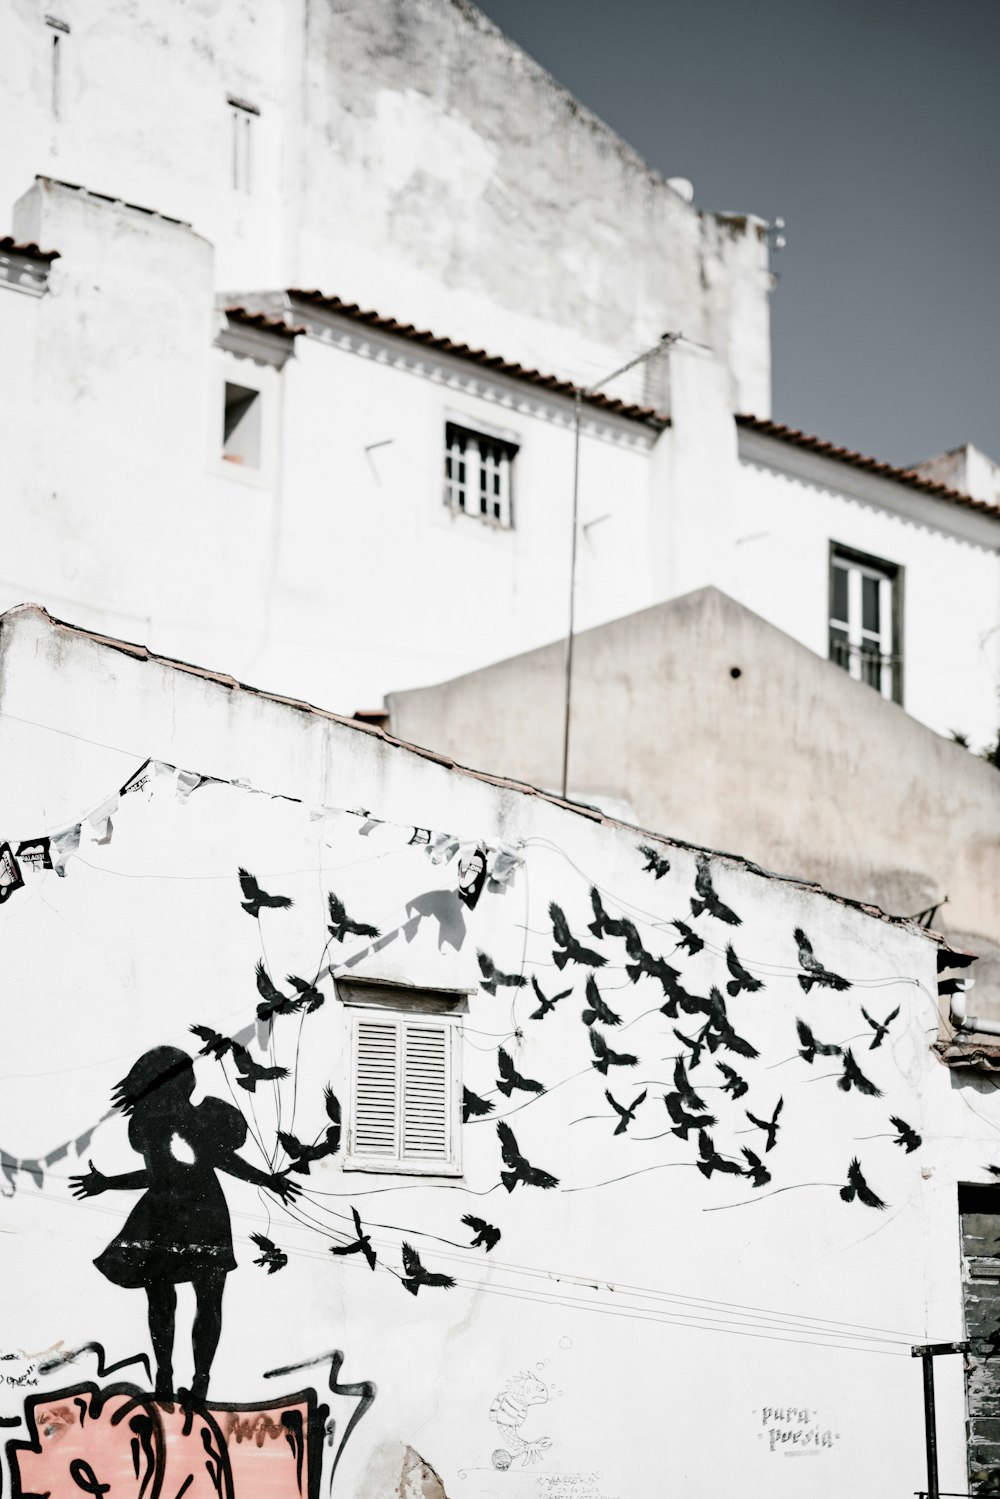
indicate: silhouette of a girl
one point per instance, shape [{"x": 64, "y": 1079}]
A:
[{"x": 179, "y": 1229}]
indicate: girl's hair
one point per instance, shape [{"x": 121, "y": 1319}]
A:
[{"x": 159, "y": 1068}]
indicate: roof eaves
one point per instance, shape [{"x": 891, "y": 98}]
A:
[
  {"x": 907, "y": 476},
  {"x": 495, "y": 362},
  {"x": 263, "y": 323}
]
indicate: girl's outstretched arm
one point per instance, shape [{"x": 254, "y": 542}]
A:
[
  {"x": 274, "y": 1181},
  {"x": 94, "y": 1182}
]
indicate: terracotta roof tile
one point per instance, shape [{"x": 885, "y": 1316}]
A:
[
  {"x": 263, "y": 322},
  {"x": 646, "y": 414},
  {"x": 10, "y": 246},
  {"x": 907, "y": 476}
]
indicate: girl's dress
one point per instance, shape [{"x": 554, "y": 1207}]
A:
[{"x": 179, "y": 1229}]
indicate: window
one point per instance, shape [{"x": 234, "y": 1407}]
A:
[
  {"x": 404, "y": 1084},
  {"x": 241, "y": 123},
  {"x": 865, "y": 615},
  {"x": 477, "y": 473},
  {"x": 241, "y": 426},
  {"x": 58, "y": 31}
]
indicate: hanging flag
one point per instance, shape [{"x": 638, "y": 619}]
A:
[
  {"x": 11, "y": 878},
  {"x": 472, "y": 874},
  {"x": 62, "y": 846},
  {"x": 33, "y": 853}
]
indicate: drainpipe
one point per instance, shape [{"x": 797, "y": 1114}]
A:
[{"x": 965, "y": 1022}]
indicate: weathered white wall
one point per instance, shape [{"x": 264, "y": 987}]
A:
[
  {"x": 144, "y": 935},
  {"x": 407, "y": 157},
  {"x": 123, "y": 509}
]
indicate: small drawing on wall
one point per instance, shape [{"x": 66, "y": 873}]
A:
[{"x": 510, "y": 1411}]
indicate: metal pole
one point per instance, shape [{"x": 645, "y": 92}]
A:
[
  {"x": 568, "y": 669},
  {"x": 928, "y": 1352},
  {"x": 661, "y": 344},
  {"x": 930, "y": 1426}
]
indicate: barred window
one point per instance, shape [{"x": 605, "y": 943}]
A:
[
  {"x": 477, "y": 474},
  {"x": 865, "y": 620}
]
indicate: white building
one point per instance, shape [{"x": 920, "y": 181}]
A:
[
  {"x": 170, "y": 846},
  {"x": 363, "y": 505}
]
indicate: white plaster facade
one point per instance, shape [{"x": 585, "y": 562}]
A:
[
  {"x": 411, "y": 160},
  {"x": 646, "y": 1316}
]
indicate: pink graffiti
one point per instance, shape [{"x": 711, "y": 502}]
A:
[{"x": 121, "y": 1444}]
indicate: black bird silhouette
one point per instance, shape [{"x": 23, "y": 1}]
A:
[
  {"x": 815, "y": 973},
  {"x": 625, "y": 1116},
  {"x": 303, "y": 1155},
  {"x": 740, "y": 978},
  {"x": 475, "y": 1107},
  {"x": 906, "y": 1135},
  {"x": 510, "y": 1078},
  {"x": 492, "y": 975},
  {"x": 689, "y": 937},
  {"x": 696, "y": 1047},
  {"x": 604, "y": 925},
  {"x": 341, "y": 924},
  {"x": 709, "y": 901},
  {"x": 769, "y": 1126},
  {"x": 684, "y": 1122},
  {"x": 854, "y": 1078},
  {"x": 880, "y": 1027},
  {"x": 604, "y": 1057},
  {"x": 546, "y": 1005},
  {"x": 362, "y": 1244},
  {"x": 271, "y": 1257},
  {"x": 678, "y": 997},
  {"x": 272, "y": 1001},
  {"x": 520, "y": 1170},
  {"x": 655, "y": 864},
  {"x": 416, "y": 1276},
  {"x": 688, "y": 1095},
  {"x": 598, "y": 1010},
  {"x": 644, "y": 963},
  {"x": 251, "y": 1072},
  {"x": 310, "y": 998},
  {"x": 858, "y": 1187},
  {"x": 811, "y": 1048},
  {"x": 254, "y": 897},
  {"x": 572, "y": 950},
  {"x": 719, "y": 1030},
  {"x": 711, "y": 1160},
  {"x": 756, "y": 1168},
  {"x": 734, "y": 1084},
  {"x": 486, "y": 1234},
  {"x": 216, "y": 1045}
]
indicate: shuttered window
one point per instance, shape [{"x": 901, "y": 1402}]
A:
[{"x": 404, "y": 1113}]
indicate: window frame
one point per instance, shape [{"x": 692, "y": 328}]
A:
[
  {"x": 405, "y": 1008},
  {"x": 242, "y": 145},
  {"x": 477, "y": 467},
  {"x": 890, "y": 573}
]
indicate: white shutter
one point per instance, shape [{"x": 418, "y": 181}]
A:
[
  {"x": 425, "y": 1093},
  {"x": 405, "y": 1094},
  {"x": 376, "y": 1088}
]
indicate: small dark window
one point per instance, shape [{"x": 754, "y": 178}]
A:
[
  {"x": 477, "y": 474},
  {"x": 865, "y": 620},
  {"x": 242, "y": 126},
  {"x": 58, "y": 32},
  {"x": 241, "y": 426}
]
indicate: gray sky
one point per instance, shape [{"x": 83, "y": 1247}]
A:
[{"x": 872, "y": 128}]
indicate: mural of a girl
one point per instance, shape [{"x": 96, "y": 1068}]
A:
[{"x": 179, "y": 1230}]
